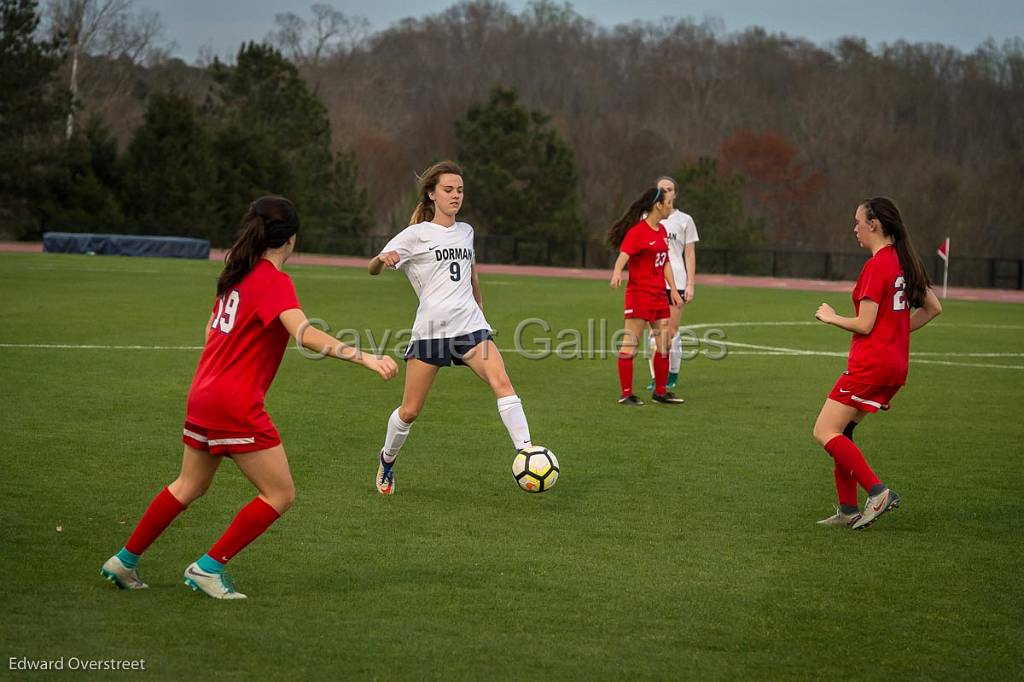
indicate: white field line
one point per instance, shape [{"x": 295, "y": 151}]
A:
[
  {"x": 298, "y": 274},
  {"x": 815, "y": 323},
  {"x": 793, "y": 351},
  {"x": 308, "y": 275},
  {"x": 756, "y": 350},
  {"x": 50, "y": 268}
]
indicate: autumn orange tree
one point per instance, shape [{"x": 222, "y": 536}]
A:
[{"x": 776, "y": 184}]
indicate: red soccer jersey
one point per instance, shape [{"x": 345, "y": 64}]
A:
[
  {"x": 881, "y": 356},
  {"x": 243, "y": 350},
  {"x": 648, "y": 253}
]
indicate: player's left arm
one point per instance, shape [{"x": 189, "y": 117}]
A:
[
  {"x": 477, "y": 294},
  {"x": 299, "y": 328},
  {"x": 690, "y": 260},
  {"x": 673, "y": 293},
  {"x": 929, "y": 310},
  {"x": 862, "y": 324}
]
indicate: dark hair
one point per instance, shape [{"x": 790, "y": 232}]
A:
[
  {"x": 269, "y": 223},
  {"x": 426, "y": 184},
  {"x": 631, "y": 217},
  {"x": 885, "y": 212}
]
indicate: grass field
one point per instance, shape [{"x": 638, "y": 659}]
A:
[{"x": 679, "y": 542}]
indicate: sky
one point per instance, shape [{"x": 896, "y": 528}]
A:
[{"x": 222, "y": 25}]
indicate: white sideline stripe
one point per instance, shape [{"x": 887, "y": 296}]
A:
[
  {"x": 195, "y": 436},
  {"x": 872, "y": 403},
  {"x": 218, "y": 441},
  {"x": 233, "y": 441}
]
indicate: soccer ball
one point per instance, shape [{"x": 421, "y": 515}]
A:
[{"x": 535, "y": 469}]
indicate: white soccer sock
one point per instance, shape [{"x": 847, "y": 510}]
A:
[
  {"x": 653, "y": 346},
  {"x": 675, "y": 353},
  {"x": 510, "y": 408},
  {"x": 398, "y": 431}
]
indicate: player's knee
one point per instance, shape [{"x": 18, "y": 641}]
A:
[
  {"x": 408, "y": 413},
  {"x": 282, "y": 499},
  {"x": 501, "y": 384},
  {"x": 627, "y": 352},
  {"x": 187, "y": 491},
  {"x": 822, "y": 435}
]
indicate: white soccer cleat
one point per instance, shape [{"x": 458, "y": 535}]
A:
[
  {"x": 216, "y": 585},
  {"x": 385, "y": 479},
  {"x": 125, "y": 578},
  {"x": 875, "y": 507},
  {"x": 840, "y": 519}
]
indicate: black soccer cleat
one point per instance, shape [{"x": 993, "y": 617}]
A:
[
  {"x": 668, "y": 397},
  {"x": 630, "y": 400}
]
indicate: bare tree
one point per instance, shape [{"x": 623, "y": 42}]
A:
[
  {"x": 329, "y": 33},
  {"x": 107, "y": 29}
]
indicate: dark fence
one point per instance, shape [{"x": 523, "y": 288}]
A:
[{"x": 964, "y": 271}]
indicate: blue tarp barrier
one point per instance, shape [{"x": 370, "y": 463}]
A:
[{"x": 126, "y": 245}]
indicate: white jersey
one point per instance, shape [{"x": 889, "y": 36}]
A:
[
  {"x": 681, "y": 231},
  {"x": 439, "y": 264}
]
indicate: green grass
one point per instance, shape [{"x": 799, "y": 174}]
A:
[{"x": 679, "y": 542}]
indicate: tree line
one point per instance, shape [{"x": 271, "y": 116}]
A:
[{"x": 558, "y": 121}]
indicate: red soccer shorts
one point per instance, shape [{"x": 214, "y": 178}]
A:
[
  {"x": 218, "y": 442},
  {"x": 647, "y": 308},
  {"x": 867, "y": 397}
]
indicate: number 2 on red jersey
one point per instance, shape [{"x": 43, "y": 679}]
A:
[
  {"x": 899, "y": 299},
  {"x": 227, "y": 306}
]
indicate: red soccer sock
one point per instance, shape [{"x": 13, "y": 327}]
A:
[
  {"x": 846, "y": 486},
  {"x": 164, "y": 508},
  {"x": 626, "y": 374},
  {"x": 250, "y": 523},
  {"x": 849, "y": 457},
  {"x": 660, "y": 373}
]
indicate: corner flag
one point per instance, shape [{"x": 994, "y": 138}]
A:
[{"x": 944, "y": 255}]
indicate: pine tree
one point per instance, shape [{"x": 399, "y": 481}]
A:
[
  {"x": 714, "y": 201},
  {"x": 272, "y": 135},
  {"x": 32, "y": 109},
  {"x": 83, "y": 191},
  {"x": 520, "y": 175},
  {"x": 170, "y": 173}
]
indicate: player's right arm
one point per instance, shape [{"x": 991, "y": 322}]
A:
[
  {"x": 929, "y": 310},
  {"x": 399, "y": 249},
  {"x": 670, "y": 278},
  {"x": 294, "y": 320},
  {"x": 690, "y": 262},
  {"x": 620, "y": 263},
  {"x": 386, "y": 259}
]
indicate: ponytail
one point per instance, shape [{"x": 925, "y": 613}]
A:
[
  {"x": 424, "y": 212},
  {"x": 425, "y": 184},
  {"x": 268, "y": 224},
  {"x": 632, "y": 216},
  {"x": 914, "y": 274}
]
